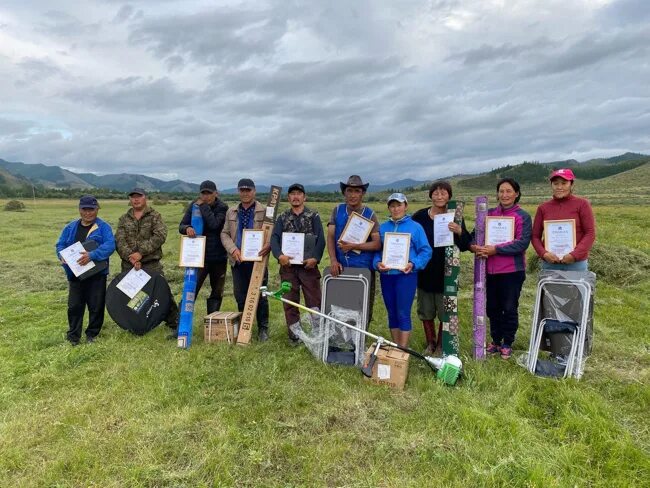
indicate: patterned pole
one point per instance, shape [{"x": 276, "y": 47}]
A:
[
  {"x": 450, "y": 345},
  {"x": 479, "y": 280},
  {"x": 186, "y": 318}
]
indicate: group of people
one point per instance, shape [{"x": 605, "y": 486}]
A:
[{"x": 141, "y": 233}]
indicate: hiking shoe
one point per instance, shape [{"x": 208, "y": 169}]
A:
[
  {"x": 263, "y": 334},
  {"x": 506, "y": 352},
  {"x": 493, "y": 348}
]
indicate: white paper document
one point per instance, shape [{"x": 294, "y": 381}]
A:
[
  {"x": 293, "y": 245},
  {"x": 560, "y": 236},
  {"x": 396, "y": 250},
  {"x": 252, "y": 242},
  {"x": 133, "y": 282},
  {"x": 71, "y": 254},
  {"x": 442, "y": 236},
  {"x": 499, "y": 230},
  {"x": 192, "y": 253}
]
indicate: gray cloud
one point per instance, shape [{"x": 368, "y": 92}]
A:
[{"x": 314, "y": 91}]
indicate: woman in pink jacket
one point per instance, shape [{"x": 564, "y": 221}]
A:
[{"x": 506, "y": 269}]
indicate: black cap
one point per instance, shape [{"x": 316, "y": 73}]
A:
[
  {"x": 296, "y": 186},
  {"x": 88, "y": 201},
  {"x": 138, "y": 191},
  {"x": 246, "y": 183},
  {"x": 208, "y": 185}
]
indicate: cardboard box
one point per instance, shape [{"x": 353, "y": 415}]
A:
[
  {"x": 391, "y": 367},
  {"x": 221, "y": 327}
]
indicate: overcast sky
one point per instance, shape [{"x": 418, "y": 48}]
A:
[{"x": 314, "y": 91}]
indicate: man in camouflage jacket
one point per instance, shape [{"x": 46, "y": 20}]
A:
[
  {"x": 305, "y": 275},
  {"x": 139, "y": 237}
]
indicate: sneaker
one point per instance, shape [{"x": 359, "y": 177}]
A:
[
  {"x": 493, "y": 348},
  {"x": 90, "y": 339},
  {"x": 73, "y": 343},
  {"x": 294, "y": 341},
  {"x": 506, "y": 352},
  {"x": 173, "y": 335}
]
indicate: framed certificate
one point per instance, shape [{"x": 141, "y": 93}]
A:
[
  {"x": 192, "y": 253},
  {"x": 396, "y": 250},
  {"x": 442, "y": 236},
  {"x": 252, "y": 242},
  {"x": 499, "y": 230},
  {"x": 357, "y": 230},
  {"x": 293, "y": 245},
  {"x": 560, "y": 236}
]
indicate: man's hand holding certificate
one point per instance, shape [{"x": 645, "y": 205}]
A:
[
  {"x": 356, "y": 231},
  {"x": 77, "y": 259},
  {"x": 252, "y": 243},
  {"x": 293, "y": 245}
]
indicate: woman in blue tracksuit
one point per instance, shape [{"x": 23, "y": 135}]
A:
[{"x": 398, "y": 286}]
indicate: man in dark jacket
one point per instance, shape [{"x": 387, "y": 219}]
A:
[
  {"x": 91, "y": 292},
  {"x": 305, "y": 274},
  {"x": 213, "y": 211}
]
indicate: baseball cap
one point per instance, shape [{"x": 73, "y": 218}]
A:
[
  {"x": 246, "y": 183},
  {"x": 565, "y": 173},
  {"x": 399, "y": 197},
  {"x": 138, "y": 191},
  {"x": 208, "y": 185},
  {"x": 296, "y": 186},
  {"x": 88, "y": 201}
]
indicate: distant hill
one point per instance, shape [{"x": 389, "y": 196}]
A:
[
  {"x": 534, "y": 172},
  {"x": 17, "y": 179}
]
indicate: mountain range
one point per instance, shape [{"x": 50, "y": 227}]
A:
[{"x": 15, "y": 174}]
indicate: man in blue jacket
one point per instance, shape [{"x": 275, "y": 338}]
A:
[{"x": 89, "y": 292}]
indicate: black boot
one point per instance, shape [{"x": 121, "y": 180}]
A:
[{"x": 263, "y": 333}]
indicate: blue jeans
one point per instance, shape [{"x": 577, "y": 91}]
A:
[{"x": 577, "y": 266}]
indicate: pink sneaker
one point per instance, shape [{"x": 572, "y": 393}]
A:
[{"x": 506, "y": 352}]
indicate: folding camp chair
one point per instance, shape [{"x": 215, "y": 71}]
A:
[
  {"x": 562, "y": 323},
  {"x": 347, "y": 292}
]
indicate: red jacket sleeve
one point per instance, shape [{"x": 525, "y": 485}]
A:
[{"x": 588, "y": 224}]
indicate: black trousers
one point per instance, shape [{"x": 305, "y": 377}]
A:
[
  {"x": 89, "y": 293},
  {"x": 241, "y": 278},
  {"x": 217, "y": 272},
  {"x": 502, "y": 306}
]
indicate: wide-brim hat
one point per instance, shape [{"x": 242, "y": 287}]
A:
[{"x": 354, "y": 181}]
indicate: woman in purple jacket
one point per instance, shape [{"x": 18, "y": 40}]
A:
[{"x": 506, "y": 269}]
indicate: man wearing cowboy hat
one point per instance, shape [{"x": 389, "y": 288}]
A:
[{"x": 346, "y": 254}]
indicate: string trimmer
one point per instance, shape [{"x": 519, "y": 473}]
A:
[{"x": 448, "y": 368}]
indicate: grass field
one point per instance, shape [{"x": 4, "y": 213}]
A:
[{"x": 136, "y": 411}]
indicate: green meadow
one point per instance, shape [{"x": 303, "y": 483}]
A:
[{"x": 137, "y": 411}]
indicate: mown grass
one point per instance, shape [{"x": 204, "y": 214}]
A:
[{"x": 136, "y": 411}]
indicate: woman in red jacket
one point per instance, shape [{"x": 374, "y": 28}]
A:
[{"x": 565, "y": 206}]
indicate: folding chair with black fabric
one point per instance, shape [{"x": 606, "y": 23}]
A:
[{"x": 562, "y": 324}]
